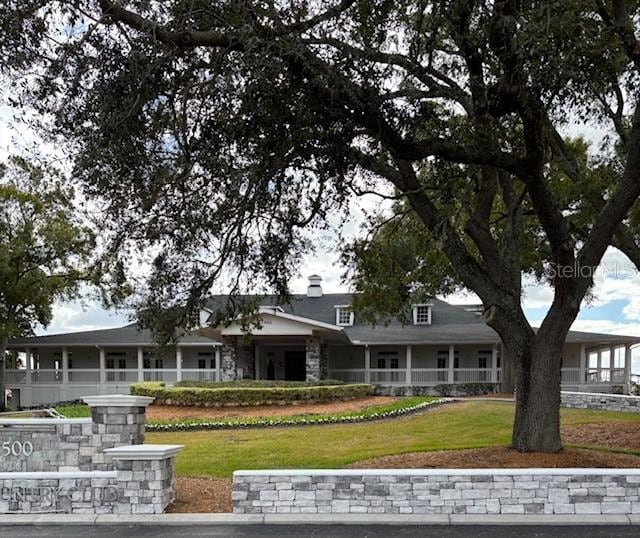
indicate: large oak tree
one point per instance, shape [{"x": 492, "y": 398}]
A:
[{"x": 216, "y": 131}]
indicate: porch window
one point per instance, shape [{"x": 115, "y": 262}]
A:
[
  {"x": 122, "y": 364},
  {"x": 344, "y": 316},
  {"x": 422, "y": 314},
  {"x": 483, "y": 358},
  {"x": 382, "y": 364},
  {"x": 110, "y": 364},
  {"x": 202, "y": 364},
  {"x": 394, "y": 363},
  {"x": 482, "y": 362},
  {"x": 442, "y": 362}
]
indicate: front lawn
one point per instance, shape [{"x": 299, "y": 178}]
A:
[{"x": 473, "y": 424}]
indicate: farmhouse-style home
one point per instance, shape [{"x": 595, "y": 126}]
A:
[{"x": 317, "y": 336}]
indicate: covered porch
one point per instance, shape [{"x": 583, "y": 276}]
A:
[{"x": 598, "y": 367}]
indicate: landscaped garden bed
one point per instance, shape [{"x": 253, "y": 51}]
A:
[
  {"x": 168, "y": 418},
  {"x": 238, "y": 395}
]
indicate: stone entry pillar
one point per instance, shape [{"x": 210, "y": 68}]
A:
[
  {"x": 313, "y": 349},
  {"x": 228, "y": 369}
]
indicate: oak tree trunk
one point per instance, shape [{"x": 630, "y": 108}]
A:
[{"x": 536, "y": 425}]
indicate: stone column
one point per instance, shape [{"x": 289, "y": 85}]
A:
[
  {"x": 118, "y": 420},
  {"x": 324, "y": 362},
  {"x": 145, "y": 477},
  {"x": 313, "y": 353},
  {"x": 228, "y": 369}
]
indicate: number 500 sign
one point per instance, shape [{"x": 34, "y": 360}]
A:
[{"x": 16, "y": 448}]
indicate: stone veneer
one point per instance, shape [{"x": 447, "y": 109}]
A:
[
  {"x": 228, "y": 368},
  {"x": 96, "y": 465},
  {"x": 438, "y": 491},
  {"x": 594, "y": 400},
  {"x": 313, "y": 359}
]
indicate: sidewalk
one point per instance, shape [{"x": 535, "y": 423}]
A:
[{"x": 317, "y": 519}]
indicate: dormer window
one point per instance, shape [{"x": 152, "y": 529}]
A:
[
  {"x": 344, "y": 316},
  {"x": 422, "y": 314}
]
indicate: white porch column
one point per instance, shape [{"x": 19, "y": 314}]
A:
[
  {"x": 178, "y": 363},
  {"x": 367, "y": 364},
  {"x": 103, "y": 365},
  {"x": 27, "y": 365},
  {"x": 582, "y": 375},
  {"x": 494, "y": 363},
  {"x": 217, "y": 355},
  {"x": 65, "y": 366},
  {"x": 256, "y": 360},
  {"x": 409, "y": 351},
  {"x": 452, "y": 358},
  {"x": 627, "y": 368},
  {"x": 140, "y": 365}
]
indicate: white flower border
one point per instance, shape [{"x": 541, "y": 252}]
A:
[{"x": 302, "y": 421}]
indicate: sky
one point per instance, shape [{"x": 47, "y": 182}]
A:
[{"x": 614, "y": 306}]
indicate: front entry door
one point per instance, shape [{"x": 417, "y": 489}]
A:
[{"x": 295, "y": 368}]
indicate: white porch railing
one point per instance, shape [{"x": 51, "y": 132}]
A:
[
  {"x": 429, "y": 376},
  {"x": 192, "y": 374},
  {"x": 17, "y": 377},
  {"x": 348, "y": 375},
  {"x": 84, "y": 375},
  {"x": 472, "y": 375},
  {"x": 164, "y": 375},
  {"x": 121, "y": 375},
  {"x": 393, "y": 376},
  {"x": 605, "y": 375},
  {"x": 570, "y": 375},
  {"x": 44, "y": 377}
]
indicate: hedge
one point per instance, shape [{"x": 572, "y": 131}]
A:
[
  {"x": 218, "y": 397},
  {"x": 256, "y": 383}
]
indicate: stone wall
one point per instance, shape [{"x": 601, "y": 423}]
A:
[
  {"x": 72, "y": 444},
  {"x": 594, "y": 400},
  {"x": 445, "y": 491},
  {"x": 228, "y": 367},
  {"x": 97, "y": 465}
]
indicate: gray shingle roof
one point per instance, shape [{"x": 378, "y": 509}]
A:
[
  {"x": 129, "y": 335},
  {"x": 449, "y": 324}
]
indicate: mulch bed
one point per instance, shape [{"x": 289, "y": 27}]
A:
[
  {"x": 173, "y": 412},
  {"x": 499, "y": 457},
  {"x": 617, "y": 435},
  {"x": 201, "y": 495}
]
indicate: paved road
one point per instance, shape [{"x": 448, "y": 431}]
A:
[{"x": 324, "y": 531}]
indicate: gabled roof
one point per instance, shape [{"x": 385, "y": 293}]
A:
[{"x": 449, "y": 324}]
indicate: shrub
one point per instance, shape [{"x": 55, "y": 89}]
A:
[
  {"x": 467, "y": 389},
  {"x": 220, "y": 396},
  {"x": 258, "y": 383}
]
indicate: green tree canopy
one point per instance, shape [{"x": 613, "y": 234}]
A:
[
  {"x": 215, "y": 132},
  {"x": 44, "y": 249}
]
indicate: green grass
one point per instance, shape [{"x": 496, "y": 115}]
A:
[
  {"x": 464, "y": 425},
  {"x": 74, "y": 410}
]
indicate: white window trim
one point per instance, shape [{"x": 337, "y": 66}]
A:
[
  {"x": 340, "y": 307},
  {"x": 415, "y": 314}
]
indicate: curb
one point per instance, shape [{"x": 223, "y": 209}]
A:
[{"x": 318, "y": 519}]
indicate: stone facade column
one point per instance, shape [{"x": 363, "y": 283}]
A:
[
  {"x": 144, "y": 478},
  {"x": 118, "y": 420},
  {"x": 324, "y": 362},
  {"x": 313, "y": 359},
  {"x": 228, "y": 369}
]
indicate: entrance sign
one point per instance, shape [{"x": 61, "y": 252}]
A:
[{"x": 85, "y": 465}]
